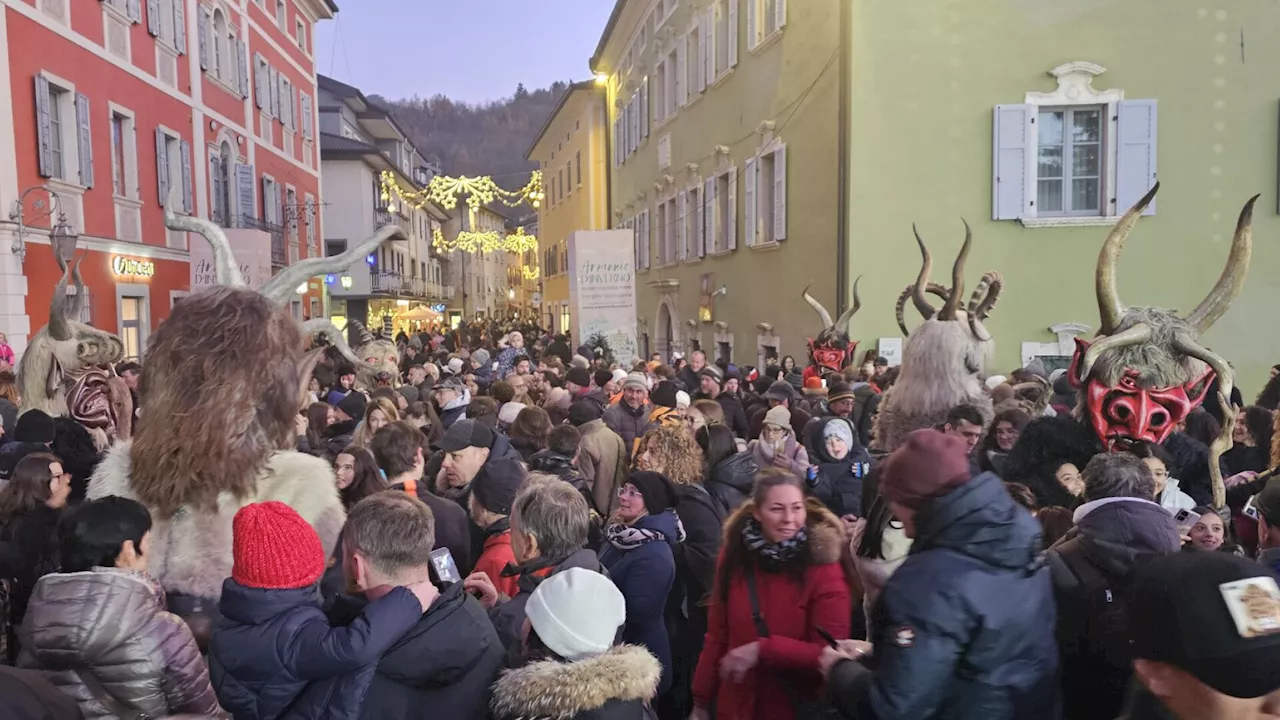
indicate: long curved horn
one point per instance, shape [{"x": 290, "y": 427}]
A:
[
  {"x": 365, "y": 335},
  {"x": 1229, "y": 284},
  {"x": 281, "y": 287},
  {"x": 225, "y": 267},
  {"x": 59, "y": 328},
  {"x": 1110, "y": 309},
  {"x": 76, "y": 311},
  {"x": 922, "y": 281},
  {"x": 1187, "y": 345},
  {"x": 325, "y": 327},
  {"x": 822, "y": 312},
  {"x": 847, "y": 315},
  {"x": 1139, "y": 333},
  {"x": 952, "y": 306},
  {"x": 934, "y": 289},
  {"x": 981, "y": 303}
]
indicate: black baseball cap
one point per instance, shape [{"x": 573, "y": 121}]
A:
[
  {"x": 465, "y": 434},
  {"x": 1213, "y": 615}
]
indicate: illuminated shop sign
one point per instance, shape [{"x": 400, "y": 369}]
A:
[{"x": 121, "y": 265}]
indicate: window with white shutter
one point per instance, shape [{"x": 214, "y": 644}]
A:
[
  {"x": 682, "y": 73},
  {"x": 162, "y": 166},
  {"x": 48, "y": 140},
  {"x": 751, "y": 177},
  {"x": 733, "y": 33},
  {"x": 134, "y": 10},
  {"x": 273, "y": 81},
  {"x": 179, "y": 26},
  {"x": 153, "y": 18},
  {"x": 84, "y": 140},
  {"x": 242, "y": 67},
  {"x": 1074, "y": 156},
  {"x": 203, "y": 23},
  {"x": 260, "y": 93},
  {"x": 187, "y": 199},
  {"x": 731, "y": 214},
  {"x": 307, "y": 120},
  {"x": 245, "y": 190},
  {"x": 780, "y": 193}
]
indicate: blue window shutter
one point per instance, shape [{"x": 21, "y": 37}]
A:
[
  {"x": 162, "y": 166},
  {"x": 187, "y": 205},
  {"x": 84, "y": 140},
  {"x": 180, "y": 26},
  {"x": 1011, "y": 155},
  {"x": 244, "y": 190},
  {"x": 44, "y": 127},
  {"x": 202, "y": 24},
  {"x": 243, "y": 67},
  {"x": 1135, "y": 154},
  {"x": 153, "y": 18}
]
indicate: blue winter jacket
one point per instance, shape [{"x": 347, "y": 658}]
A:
[
  {"x": 271, "y": 645},
  {"x": 644, "y": 574},
  {"x": 966, "y": 624}
]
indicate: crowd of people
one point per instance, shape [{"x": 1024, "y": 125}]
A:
[{"x": 534, "y": 530}]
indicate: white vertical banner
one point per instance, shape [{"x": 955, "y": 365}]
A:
[{"x": 602, "y": 290}]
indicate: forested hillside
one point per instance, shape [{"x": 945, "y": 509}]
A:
[{"x": 489, "y": 139}]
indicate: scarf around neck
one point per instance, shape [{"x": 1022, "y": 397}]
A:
[
  {"x": 773, "y": 557},
  {"x": 630, "y": 537}
]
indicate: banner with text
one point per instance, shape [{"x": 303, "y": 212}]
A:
[
  {"x": 252, "y": 250},
  {"x": 602, "y": 290}
]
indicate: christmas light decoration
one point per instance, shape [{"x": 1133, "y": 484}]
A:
[
  {"x": 531, "y": 272},
  {"x": 479, "y": 191}
]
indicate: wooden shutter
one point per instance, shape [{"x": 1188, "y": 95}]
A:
[
  {"x": 709, "y": 217},
  {"x": 84, "y": 140},
  {"x": 731, "y": 221},
  {"x": 753, "y": 25},
  {"x": 682, "y": 71},
  {"x": 244, "y": 190},
  {"x": 162, "y": 166},
  {"x": 187, "y": 199},
  {"x": 644, "y": 106},
  {"x": 750, "y": 175},
  {"x": 153, "y": 18},
  {"x": 682, "y": 235},
  {"x": 44, "y": 127},
  {"x": 242, "y": 67},
  {"x": 259, "y": 82},
  {"x": 203, "y": 24},
  {"x": 215, "y": 189},
  {"x": 179, "y": 26},
  {"x": 779, "y": 181},
  {"x": 1013, "y": 182},
  {"x": 277, "y": 200},
  {"x": 733, "y": 31},
  {"x": 134, "y": 9},
  {"x": 699, "y": 224},
  {"x": 293, "y": 107},
  {"x": 710, "y": 43},
  {"x": 307, "y": 120},
  {"x": 273, "y": 91},
  {"x": 701, "y": 60},
  {"x": 268, "y": 205},
  {"x": 1135, "y": 154},
  {"x": 311, "y": 222},
  {"x": 780, "y": 13}
]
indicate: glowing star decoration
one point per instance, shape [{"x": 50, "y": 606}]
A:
[{"x": 531, "y": 272}]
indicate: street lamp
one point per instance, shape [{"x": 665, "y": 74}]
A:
[
  {"x": 62, "y": 236},
  {"x": 346, "y": 282},
  {"x": 511, "y": 294}
]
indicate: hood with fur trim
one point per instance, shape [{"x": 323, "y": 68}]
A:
[
  {"x": 563, "y": 690},
  {"x": 827, "y": 537},
  {"x": 191, "y": 551}
]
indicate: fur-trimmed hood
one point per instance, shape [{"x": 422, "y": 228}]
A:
[
  {"x": 551, "y": 690},
  {"x": 827, "y": 537},
  {"x": 191, "y": 551}
]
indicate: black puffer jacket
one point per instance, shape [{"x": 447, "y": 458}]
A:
[
  {"x": 612, "y": 686},
  {"x": 730, "y": 481},
  {"x": 1043, "y": 446},
  {"x": 1091, "y": 568},
  {"x": 442, "y": 668},
  {"x": 28, "y": 552},
  {"x": 839, "y": 482},
  {"x": 962, "y": 623}
]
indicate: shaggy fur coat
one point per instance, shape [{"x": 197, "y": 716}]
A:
[
  {"x": 616, "y": 684},
  {"x": 191, "y": 551}
]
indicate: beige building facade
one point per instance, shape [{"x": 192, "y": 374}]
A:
[{"x": 723, "y": 124}]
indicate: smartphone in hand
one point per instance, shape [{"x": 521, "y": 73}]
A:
[{"x": 444, "y": 567}]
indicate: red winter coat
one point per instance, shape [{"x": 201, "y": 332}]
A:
[
  {"x": 791, "y": 611},
  {"x": 497, "y": 553}
]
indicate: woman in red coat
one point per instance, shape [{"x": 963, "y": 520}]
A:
[{"x": 795, "y": 553}]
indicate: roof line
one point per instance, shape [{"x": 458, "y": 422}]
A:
[
  {"x": 585, "y": 85},
  {"x": 608, "y": 31}
]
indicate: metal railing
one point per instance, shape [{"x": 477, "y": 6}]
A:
[
  {"x": 383, "y": 217},
  {"x": 279, "y": 250}
]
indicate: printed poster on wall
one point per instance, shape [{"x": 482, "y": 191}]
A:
[
  {"x": 602, "y": 289},
  {"x": 252, "y": 250}
]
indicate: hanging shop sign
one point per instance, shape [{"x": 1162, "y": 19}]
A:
[{"x": 121, "y": 265}]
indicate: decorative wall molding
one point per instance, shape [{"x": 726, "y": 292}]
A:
[{"x": 1075, "y": 87}]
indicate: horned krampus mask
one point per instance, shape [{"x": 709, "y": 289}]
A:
[
  {"x": 381, "y": 358},
  {"x": 832, "y": 349},
  {"x": 1146, "y": 369}
]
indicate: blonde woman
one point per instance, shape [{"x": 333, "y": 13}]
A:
[{"x": 379, "y": 413}]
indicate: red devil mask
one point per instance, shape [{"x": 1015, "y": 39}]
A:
[
  {"x": 832, "y": 357},
  {"x": 1127, "y": 413}
]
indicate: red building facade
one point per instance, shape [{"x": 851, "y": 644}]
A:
[{"x": 118, "y": 107}]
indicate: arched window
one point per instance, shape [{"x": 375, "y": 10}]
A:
[{"x": 220, "y": 62}]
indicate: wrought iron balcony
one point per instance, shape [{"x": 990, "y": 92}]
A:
[{"x": 279, "y": 250}]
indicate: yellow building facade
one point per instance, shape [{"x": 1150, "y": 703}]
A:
[{"x": 573, "y": 154}]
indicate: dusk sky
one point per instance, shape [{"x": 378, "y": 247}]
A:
[{"x": 472, "y": 50}]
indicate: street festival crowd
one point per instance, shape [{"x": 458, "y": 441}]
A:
[{"x": 497, "y": 522}]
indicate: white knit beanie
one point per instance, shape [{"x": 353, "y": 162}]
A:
[
  {"x": 682, "y": 399},
  {"x": 577, "y": 613}
]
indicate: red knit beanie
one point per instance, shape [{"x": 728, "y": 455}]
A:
[
  {"x": 274, "y": 548},
  {"x": 930, "y": 465}
]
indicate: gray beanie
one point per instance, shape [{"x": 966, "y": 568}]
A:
[
  {"x": 479, "y": 358},
  {"x": 839, "y": 428}
]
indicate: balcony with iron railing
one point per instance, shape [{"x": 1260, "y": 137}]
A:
[
  {"x": 400, "y": 285},
  {"x": 279, "y": 249},
  {"x": 383, "y": 216}
]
